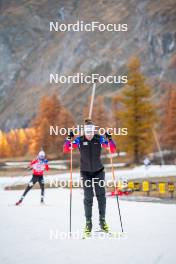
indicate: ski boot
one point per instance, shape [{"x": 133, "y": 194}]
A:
[
  {"x": 19, "y": 202},
  {"x": 88, "y": 228},
  {"x": 103, "y": 225}
]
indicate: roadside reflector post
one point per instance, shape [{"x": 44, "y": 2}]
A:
[
  {"x": 171, "y": 189},
  {"x": 131, "y": 185},
  {"x": 162, "y": 188},
  {"x": 153, "y": 186},
  {"x": 146, "y": 187},
  {"x": 136, "y": 186}
]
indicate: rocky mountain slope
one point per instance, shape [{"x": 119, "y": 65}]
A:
[{"x": 29, "y": 52}]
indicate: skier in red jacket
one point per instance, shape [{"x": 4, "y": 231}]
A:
[{"x": 38, "y": 166}]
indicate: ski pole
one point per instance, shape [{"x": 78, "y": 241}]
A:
[
  {"x": 71, "y": 185},
  {"x": 115, "y": 187},
  {"x": 92, "y": 100}
]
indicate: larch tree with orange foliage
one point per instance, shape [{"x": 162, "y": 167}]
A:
[
  {"x": 22, "y": 140},
  {"x": 51, "y": 113},
  {"x": 5, "y": 150},
  {"x": 168, "y": 122},
  {"x": 116, "y": 121},
  {"x": 138, "y": 113}
]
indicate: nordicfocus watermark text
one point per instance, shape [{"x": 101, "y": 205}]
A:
[
  {"x": 54, "y": 182},
  {"x": 90, "y": 79},
  {"x": 56, "y": 234},
  {"x": 81, "y": 26},
  {"x": 79, "y": 130}
]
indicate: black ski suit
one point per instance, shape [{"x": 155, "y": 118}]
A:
[
  {"x": 33, "y": 181},
  {"x": 92, "y": 171}
]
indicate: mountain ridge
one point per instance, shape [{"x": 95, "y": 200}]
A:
[{"x": 30, "y": 52}]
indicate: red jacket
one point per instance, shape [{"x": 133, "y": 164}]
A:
[{"x": 39, "y": 166}]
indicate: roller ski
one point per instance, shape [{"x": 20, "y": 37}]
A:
[{"x": 19, "y": 202}]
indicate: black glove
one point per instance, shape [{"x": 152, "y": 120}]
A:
[
  {"x": 70, "y": 135},
  {"x": 108, "y": 136}
]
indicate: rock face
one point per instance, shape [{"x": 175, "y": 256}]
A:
[{"x": 29, "y": 52}]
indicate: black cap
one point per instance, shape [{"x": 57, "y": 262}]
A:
[{"x": 88, "y": 121}]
